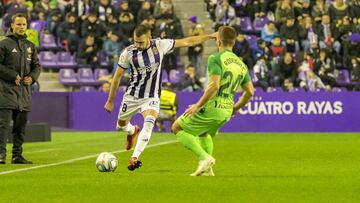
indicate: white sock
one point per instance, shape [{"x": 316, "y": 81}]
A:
[
  {"x": 144, "y": 135},
  {"x": 130, "y": 129}
]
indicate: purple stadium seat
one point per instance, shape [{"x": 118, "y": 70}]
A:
[
  {"x": 274, "y": 89},
  {"x": 66, "y": 60},
  {"x": 245, "y": 24},
  {"x": 48, "y": 59},
  {"x": 174, "y": 76},
  {"x": 259, "y": 90},
  {"x": 252, "y": 40},
  {"x": 297, "y": 89},
  {"x": 339, "y": 89},
  {"x": 251, "y": 73},
  {"x": 103, "y": 59},
  {"x": 47, "y": 42},
  {"x": 259, "y": 23},
  {"x": 87, "y": 89},
  {"x": 343, "y": 77},
  {"x": 38, "y": 25},
  {"x": 86, "y": 77},
  {"x": 100, "y": 72},
  {"x": 67, "y": 76},
  {"x": 164, "y": 76}
]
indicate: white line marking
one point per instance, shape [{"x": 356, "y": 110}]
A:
[
  {"x": 78, "y": 159},
  {"x": 39, "y": 151}
]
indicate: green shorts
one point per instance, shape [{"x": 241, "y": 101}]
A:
[{"x": 208, "y": 120}]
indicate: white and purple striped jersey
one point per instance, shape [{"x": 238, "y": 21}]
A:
[{"x": 145, "y": 67}]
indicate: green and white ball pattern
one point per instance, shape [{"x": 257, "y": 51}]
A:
[{"x": 106, "y": 162}]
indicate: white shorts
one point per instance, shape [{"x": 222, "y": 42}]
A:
[{"x": 131, "y": 106}]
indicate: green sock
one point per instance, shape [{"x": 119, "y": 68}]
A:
[
  {"x": 207, "y": 144},
  {"x": 191, "y": 142}
]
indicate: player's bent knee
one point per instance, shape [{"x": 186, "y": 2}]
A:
[
  {"x": 175, "y": 127},
  {"x": 204, "y": 135},
  {"x": 122, "y": 123}
]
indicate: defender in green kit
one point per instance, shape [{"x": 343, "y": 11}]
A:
[{"x": 201, "y": 121}]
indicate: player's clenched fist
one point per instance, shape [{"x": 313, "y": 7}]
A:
[{"x": 109, "y": 106}]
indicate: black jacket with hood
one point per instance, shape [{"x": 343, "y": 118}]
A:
[{"x": 18, "y": 56}]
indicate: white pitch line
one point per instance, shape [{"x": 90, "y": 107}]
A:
[
  {"x": 77, "y": 159},
  {"x": 40, "y": 151}
]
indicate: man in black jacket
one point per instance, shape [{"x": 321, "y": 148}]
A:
[{"x": 19, "y": 68}]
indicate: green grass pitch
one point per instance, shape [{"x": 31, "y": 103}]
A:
[{"x": 250, "y": 167}]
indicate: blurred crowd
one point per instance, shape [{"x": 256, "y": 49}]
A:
[
  {"x": 311, "y": 44},
  {"x": 86, "y": 27},
  {"x": 307, "y": 44}
]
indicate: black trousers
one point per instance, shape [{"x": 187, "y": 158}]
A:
[{"x": 17, "y": 130}]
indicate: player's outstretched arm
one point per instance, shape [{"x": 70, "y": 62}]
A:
[
  {"x": 109, "y": 106},
  {"x": 192, "y": 41},
  {"x": 211, "y": 90},
  {"x": 245, "y": 97}
]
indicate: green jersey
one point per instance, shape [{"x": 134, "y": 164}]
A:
[{"x": 233, "y": 73}]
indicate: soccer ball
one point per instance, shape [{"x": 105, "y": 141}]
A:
[{"x": 106, "y": 162}]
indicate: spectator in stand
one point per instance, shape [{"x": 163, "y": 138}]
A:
[
  {"x": 346, "y": 28},
  {"x": 87, "y": 52},
  {"x": 325, "y": 69},
  {"x": 65, "y": 5},
  {"x": 83, "y": 9},
  {"x": 211, "y": 8},
  {"x": 338, "y": 10},
  {"x": 261, "y": 49},
  {"x": 53, "y": 21},
  {"x": 103, "y": 9},
  {"x": 170, "y": 30},
  {"x": 94, "y": 27},
  {"x": 42, "y": 6},
  {"x": 269, "y": 32},
  {"x": 307, "y": 35},
  {"x": 112, "y": 25},
  {"x": 242, "y": 49},
  {"x": 225, "y": 15},
  {"x": 328, "y": 35},
  {"x": 277, "y": 49},
  {"x": 355, "y": 10},
  {"x": 262, "y": 74},
  {"x": 112, "y": 47},
  {"x": 283, "y": 11},
  {"x": 195, "y": 52},
  {"x": 241, "y": 8},
  {"x": 258, "y": 8},
  {"x": 290, "y": 34},
  {"x": 189, "y": 82},
  {"x": 355, "y": 72},
  {"x": 127, "y": 25},
  {"x": 302, "y": 9},
  {"x": 68, "y": 32},
  {"x": 151, "y": 22},
  {"x": 124, "y": 8},
  {"x": 144, "y": 12},
  {"x": 163, "y": 7},
  {"x": 352, "y": 48},
  {"x": 307, "y": 78},
  {"x": 318, "y": 10},
  {"x": 13, "y": 7},
  {"x": 285, "y": 70}
]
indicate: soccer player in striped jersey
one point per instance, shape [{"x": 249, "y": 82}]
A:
[{"x": 144, "y": 59}]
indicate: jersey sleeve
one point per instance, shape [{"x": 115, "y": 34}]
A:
[
  {"x": 166, "y": 45},
  {"x": 214, "y": 67},
  {"x": 124, "y": 60},
  {"x": 246, "y": 79}
]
